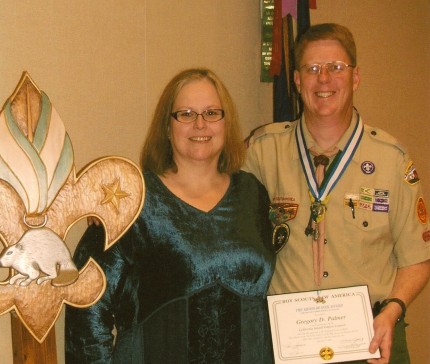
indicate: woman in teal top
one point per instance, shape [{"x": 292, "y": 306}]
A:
[{"x": 188, "y": 282}]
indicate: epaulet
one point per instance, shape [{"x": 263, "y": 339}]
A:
[
  {"x": 382, "y": 136},
  {"x": 271, "y": 128}
]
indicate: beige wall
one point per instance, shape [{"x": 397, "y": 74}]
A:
[{"x": 103, "y": 63}]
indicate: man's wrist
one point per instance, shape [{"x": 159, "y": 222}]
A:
[{"x": 398, "y": 301}]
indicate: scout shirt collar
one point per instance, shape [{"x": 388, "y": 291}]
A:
[
  {"x": 341, "y": 143},
  {"x": 347, "y": 144}
]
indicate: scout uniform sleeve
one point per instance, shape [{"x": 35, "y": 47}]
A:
[
  {"x": 262, "y": 150},
  {"x": 410, "y": 226},
  {"x": 252, "y": 163}
]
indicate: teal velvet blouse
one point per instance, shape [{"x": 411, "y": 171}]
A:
[{"x": 183, "y": 285}]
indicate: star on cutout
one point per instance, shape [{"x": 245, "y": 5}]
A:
[{"x": 113, "y": 194}]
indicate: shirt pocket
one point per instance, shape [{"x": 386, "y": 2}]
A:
[
  {"x": 366, "y": 213},
  {"x": 365, "y": 234}
]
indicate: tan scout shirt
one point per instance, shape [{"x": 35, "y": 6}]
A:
[{"x": 388, "y": 230}]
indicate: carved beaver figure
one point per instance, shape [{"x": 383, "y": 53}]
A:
[{"x": 40, "y": 254}]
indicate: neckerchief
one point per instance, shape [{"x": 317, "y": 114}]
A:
[{"x": 334, "y": 172}]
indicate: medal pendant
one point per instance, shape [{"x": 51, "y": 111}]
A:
[{"x": 317, "y": 211}]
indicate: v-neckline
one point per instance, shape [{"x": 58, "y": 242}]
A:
[{"x": 223, "y": 197}]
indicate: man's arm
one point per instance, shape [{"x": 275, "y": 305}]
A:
[{"x": 409, "y": 282}]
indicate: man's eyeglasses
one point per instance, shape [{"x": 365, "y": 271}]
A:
[
  {"x": 189, "y": 116},
  {"x": 334, "y": 67}
]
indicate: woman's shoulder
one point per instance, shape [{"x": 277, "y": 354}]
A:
[
  {"x": 246, "y": 177},
  {"x": 149, "y": 177},
  {"x": 248, "y": 182}
]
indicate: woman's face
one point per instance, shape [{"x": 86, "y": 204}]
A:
[{"x": 199, "y": 142}]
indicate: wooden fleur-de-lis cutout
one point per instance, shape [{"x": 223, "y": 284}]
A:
[{"x": 42, "y": 198}]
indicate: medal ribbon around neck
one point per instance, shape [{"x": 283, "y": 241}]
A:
[{"x": 331, "y": 178}]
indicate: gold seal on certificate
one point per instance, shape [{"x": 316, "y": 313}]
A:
[
  {"x": 325, "y": 326},
  {"x": 326, "y": 353}
]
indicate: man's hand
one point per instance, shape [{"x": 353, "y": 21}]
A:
[{"x": 383, "y": 326}]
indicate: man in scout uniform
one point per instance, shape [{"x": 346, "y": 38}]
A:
[{"x": 356, "y": 218}]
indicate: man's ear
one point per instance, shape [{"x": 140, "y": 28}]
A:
[
  {"x": 297, "y": 80},
  {"x": 355, "y": 78}
]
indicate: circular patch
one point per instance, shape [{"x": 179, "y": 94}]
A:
[
  {"x": 280, "y": 236},
  {"x": 367, "y": 167},
  {"x": 421, "y": 211}
]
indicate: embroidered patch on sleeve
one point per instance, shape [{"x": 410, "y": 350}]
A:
[
  {"x": 421, "y": 211},
  {"x": 411, "y": 174}
]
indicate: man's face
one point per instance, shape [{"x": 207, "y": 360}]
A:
[{"x": 326, "y": 94}]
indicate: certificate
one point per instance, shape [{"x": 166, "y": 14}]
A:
[{"x": 326, "y": 326}]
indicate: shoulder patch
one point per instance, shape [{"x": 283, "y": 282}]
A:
[
  {"x": 411, "y": 174},
  {"x": 271, "y": 128}
]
